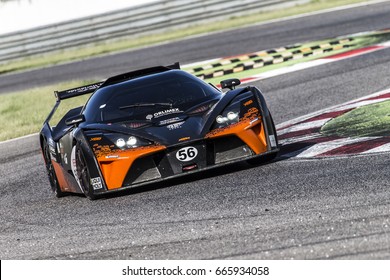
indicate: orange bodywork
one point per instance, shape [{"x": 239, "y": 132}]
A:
[
  {"x": 249, "y": 129},
  {"x": 65, "y": 180},
  {"x": 115, "y": 164}
]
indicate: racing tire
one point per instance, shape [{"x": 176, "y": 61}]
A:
[
  {"x": 83, "y": 174},
  {"x": 51, "y": 172}
]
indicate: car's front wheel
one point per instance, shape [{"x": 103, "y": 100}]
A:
[
  {"x": 51, "y": 172},
  {"x": 83, "y": 173}
]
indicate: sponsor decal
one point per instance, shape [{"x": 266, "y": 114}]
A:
[
  {"x": 96, "y": 138},
  {"x": 149, "y": 117},
  {"x": 112, "y": 156},
  {"x": 186, "y": 154},
  {"x": 96, "y": 183},
  {"x": 272, "y": 140},
  {"x": 167, "y": 112},
  {"x": 168, "y": 121},
  {"x": 175, "y": 126}
]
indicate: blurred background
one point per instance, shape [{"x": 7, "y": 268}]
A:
[
  {"x": 23, "y": 14},
  {"x": 48, "y": 45},
  {"x": 31, "y": 27}
]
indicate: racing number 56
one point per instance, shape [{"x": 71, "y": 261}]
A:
[{"x": 186, "y": 154}]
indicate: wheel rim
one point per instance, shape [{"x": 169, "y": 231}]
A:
[
  {"x": 82, "y": 171},
  {"x": 50, "y": 169}
]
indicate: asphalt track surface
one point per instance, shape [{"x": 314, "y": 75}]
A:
[{"x": 337, "y": 208}]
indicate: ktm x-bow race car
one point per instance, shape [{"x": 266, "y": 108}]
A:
[{"x": 151, "y": 125}]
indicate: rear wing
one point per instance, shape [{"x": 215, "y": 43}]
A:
[{"x": 69, "y": 93}]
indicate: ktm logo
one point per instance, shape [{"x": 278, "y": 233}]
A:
[
  {"x": 96, "y": 139},
  {"x": 249, "y": 102}
]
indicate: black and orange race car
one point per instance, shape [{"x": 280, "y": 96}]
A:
[{"x": 151, "y": 125}]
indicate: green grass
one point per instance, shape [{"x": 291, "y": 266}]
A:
[
  {"x": 136, "y": 42},
  {"x": 370, "y": 120},
  {"x": 23, "y": 113}
]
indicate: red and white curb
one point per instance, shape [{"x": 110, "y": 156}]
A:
[{"x": 301, "y": 137}]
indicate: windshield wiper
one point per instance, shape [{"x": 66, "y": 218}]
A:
[{"x": 146, "y": 105}]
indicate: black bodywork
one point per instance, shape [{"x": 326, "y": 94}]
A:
[{"x": 150, "y": 125}]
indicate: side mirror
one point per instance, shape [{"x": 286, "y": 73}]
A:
[
  {"x": 75, "y": 120},
  {"x": 230, "y": 83}
]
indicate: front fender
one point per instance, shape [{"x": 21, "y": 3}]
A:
[{"x": 93, "y": 166}]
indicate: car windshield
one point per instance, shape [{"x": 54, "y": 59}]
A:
[{"x": 148, "y": 97}]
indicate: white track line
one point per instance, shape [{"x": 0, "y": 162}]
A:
[{"x": 19, "y": 138}]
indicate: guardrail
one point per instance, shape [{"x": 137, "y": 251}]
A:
[{"x": 153, "y": 17}]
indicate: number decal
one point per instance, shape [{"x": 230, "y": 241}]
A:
[{"x": 187, "y": 153}]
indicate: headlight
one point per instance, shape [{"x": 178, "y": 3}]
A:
[
  {"x": 127, "y": 142},
  {"x": 237, "y": 109},
  {"x": 232, "y": 116},
  {"x": 220, "y": 119},
  {"x": 120, "y": 143},
  {"x": 119, "y": 140},
  {"x": 132, "y": 141}
]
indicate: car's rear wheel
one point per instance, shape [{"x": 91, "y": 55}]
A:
[
  {"x": 51, "y": 172},
  {"x": 83, "y": 173}
]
